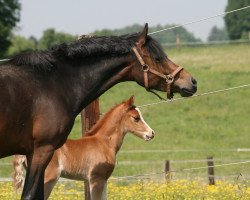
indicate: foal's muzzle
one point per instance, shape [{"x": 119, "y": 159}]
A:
[{"x": 150, "y": 137}]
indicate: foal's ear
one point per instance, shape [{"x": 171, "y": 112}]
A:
[
  {"x": 130, "y": 101},
  {"x": 143, "y": 36}
]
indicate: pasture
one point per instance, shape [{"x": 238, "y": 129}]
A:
[
  {"x": 210, "y": 125},
  {"x": 213, "y": 125},
  {"x": 191, "y": 129}
]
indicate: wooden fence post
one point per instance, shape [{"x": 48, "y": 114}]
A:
[
  {"x": 89, "y": 117},
  {"x": 167, "y": 170},
  {"x": 210, "y": 164},
  {"x": 178, "y": 41}
]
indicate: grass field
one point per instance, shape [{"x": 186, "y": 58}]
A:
[{"x": 210, "y": 126}]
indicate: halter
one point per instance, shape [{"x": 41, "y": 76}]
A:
[{"x": 168, "y": 78}]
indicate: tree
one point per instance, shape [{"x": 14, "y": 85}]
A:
[
  {"x": 10, "y": 15},
  {"x": 163, "y": 37},
  {"x": 217, "y": 34},
  {"x": 51, "y": 37},
  {"x": 20, "y": 44},
  {"x": 237, "y": 23},
  {"x": 171, "y": 35}
]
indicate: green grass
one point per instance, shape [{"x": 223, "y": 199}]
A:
[{"x": 209, "y": 124}]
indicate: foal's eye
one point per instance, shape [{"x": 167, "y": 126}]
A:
[{"x": 137, "y": 119}]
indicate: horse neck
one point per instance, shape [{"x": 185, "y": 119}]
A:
[
  {"x": 97, "y": 77},
  {"x": 112, "y": 132}
]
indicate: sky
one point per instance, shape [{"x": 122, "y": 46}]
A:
[{"x": 82, "y": 17}]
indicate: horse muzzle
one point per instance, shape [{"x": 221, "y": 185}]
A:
[
  {"x": 190, "y": 89},
  {"x": 148, "y": 137}
]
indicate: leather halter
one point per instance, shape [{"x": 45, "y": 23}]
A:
[{"x": 146, "y": 69}]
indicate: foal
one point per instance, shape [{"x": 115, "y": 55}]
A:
[{"x": 93, "y": 157}]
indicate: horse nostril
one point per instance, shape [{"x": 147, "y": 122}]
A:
[
  {"x": 153, "y": 133},
  {"x": 193, "y": 81}
]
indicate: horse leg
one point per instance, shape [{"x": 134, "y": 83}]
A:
[
  {"x": 52, "y": 174},
  {"x": 34, "y": 180},
  {"x": 96, "y": 188},
  {"x": 104, "y": 192}
]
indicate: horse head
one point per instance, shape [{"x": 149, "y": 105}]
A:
[
  {"x": 155, "y": 70},
  {"x": 133, "y": 121}
]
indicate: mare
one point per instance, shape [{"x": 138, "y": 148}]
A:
[
  {"x": 42, "y": 92},
  {"x": 92, "y": 157}
]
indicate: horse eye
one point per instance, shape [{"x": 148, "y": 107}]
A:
[
  {"x": 157, "y": 60},
  {"x": 137, "y": 119}
]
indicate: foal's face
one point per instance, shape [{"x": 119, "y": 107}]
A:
[{"x": 135, "y": 124}]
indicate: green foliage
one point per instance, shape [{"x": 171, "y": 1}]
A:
[
  {"x": 51, "y": 37},
  {"x": 170, "y": 35},
  {"x": 164, "y": 37},
  {"x": 128, "y": 29},
  {"x": 9, "y": 12},
  {"x": 20, "y": 44},
  {"x": 237, "y": 23},
  {"x": 217, "y": 34}
]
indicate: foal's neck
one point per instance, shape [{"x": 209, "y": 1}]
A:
[{"x": 111, "y": 131}]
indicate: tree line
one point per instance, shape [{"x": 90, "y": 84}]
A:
[{"x": 237, "y": 26}]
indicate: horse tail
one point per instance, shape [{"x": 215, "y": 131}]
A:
[{"x": 18, "y": 178}]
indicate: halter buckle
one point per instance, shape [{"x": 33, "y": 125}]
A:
[
  {"x": 145, "y": 68},
  {"x": 169, "y": 78}
]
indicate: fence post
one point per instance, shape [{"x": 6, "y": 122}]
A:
[
  {"x": 178, "y": 41},
  {"x": 167, "y": 170},
  {"x": 210, "y": 164},
  {"x": 89, "y": 117}
]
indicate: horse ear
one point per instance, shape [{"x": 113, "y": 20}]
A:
[
  {"x": 143, "y": 36},
  {"x": 130, "y": 101}
]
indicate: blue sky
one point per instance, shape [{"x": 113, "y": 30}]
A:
[{"x": 82, "y": 16}]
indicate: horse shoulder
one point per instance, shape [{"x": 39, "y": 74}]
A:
[
  {"x": 100, "y": 159},
  {"x": 51, "y": 120}
]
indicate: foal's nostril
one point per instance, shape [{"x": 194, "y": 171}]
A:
[
  {"x": 153, "y": 133},
  {"x": 193, "y": 81}
]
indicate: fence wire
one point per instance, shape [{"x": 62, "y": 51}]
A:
[
  {"x": 180, "y": 170},
  {"x": 200, "y": 20},
  {"x": 196, "y": 95}
]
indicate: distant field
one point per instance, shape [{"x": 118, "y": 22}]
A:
[{"x": 212, "y": 125}]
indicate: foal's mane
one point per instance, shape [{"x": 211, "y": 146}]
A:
[
  {"x": 105, "y": 119},
  {"x": 83, "y": 48}
]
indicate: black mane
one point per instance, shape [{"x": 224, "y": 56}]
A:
[
  {"x": 40, "y": 60},
  {"x": 86, "y": 47}
]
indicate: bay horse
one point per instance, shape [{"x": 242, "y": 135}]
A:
[
  {"x": 42, "y": 92},
  {"x": 92, "y": 157}
]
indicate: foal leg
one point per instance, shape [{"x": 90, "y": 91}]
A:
[
  {"x": 96, "y": 189},
  {"x": 52, "y": 174},
  {"x": 34, "y": 180},
  {"x": 104, "y": 192}
]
